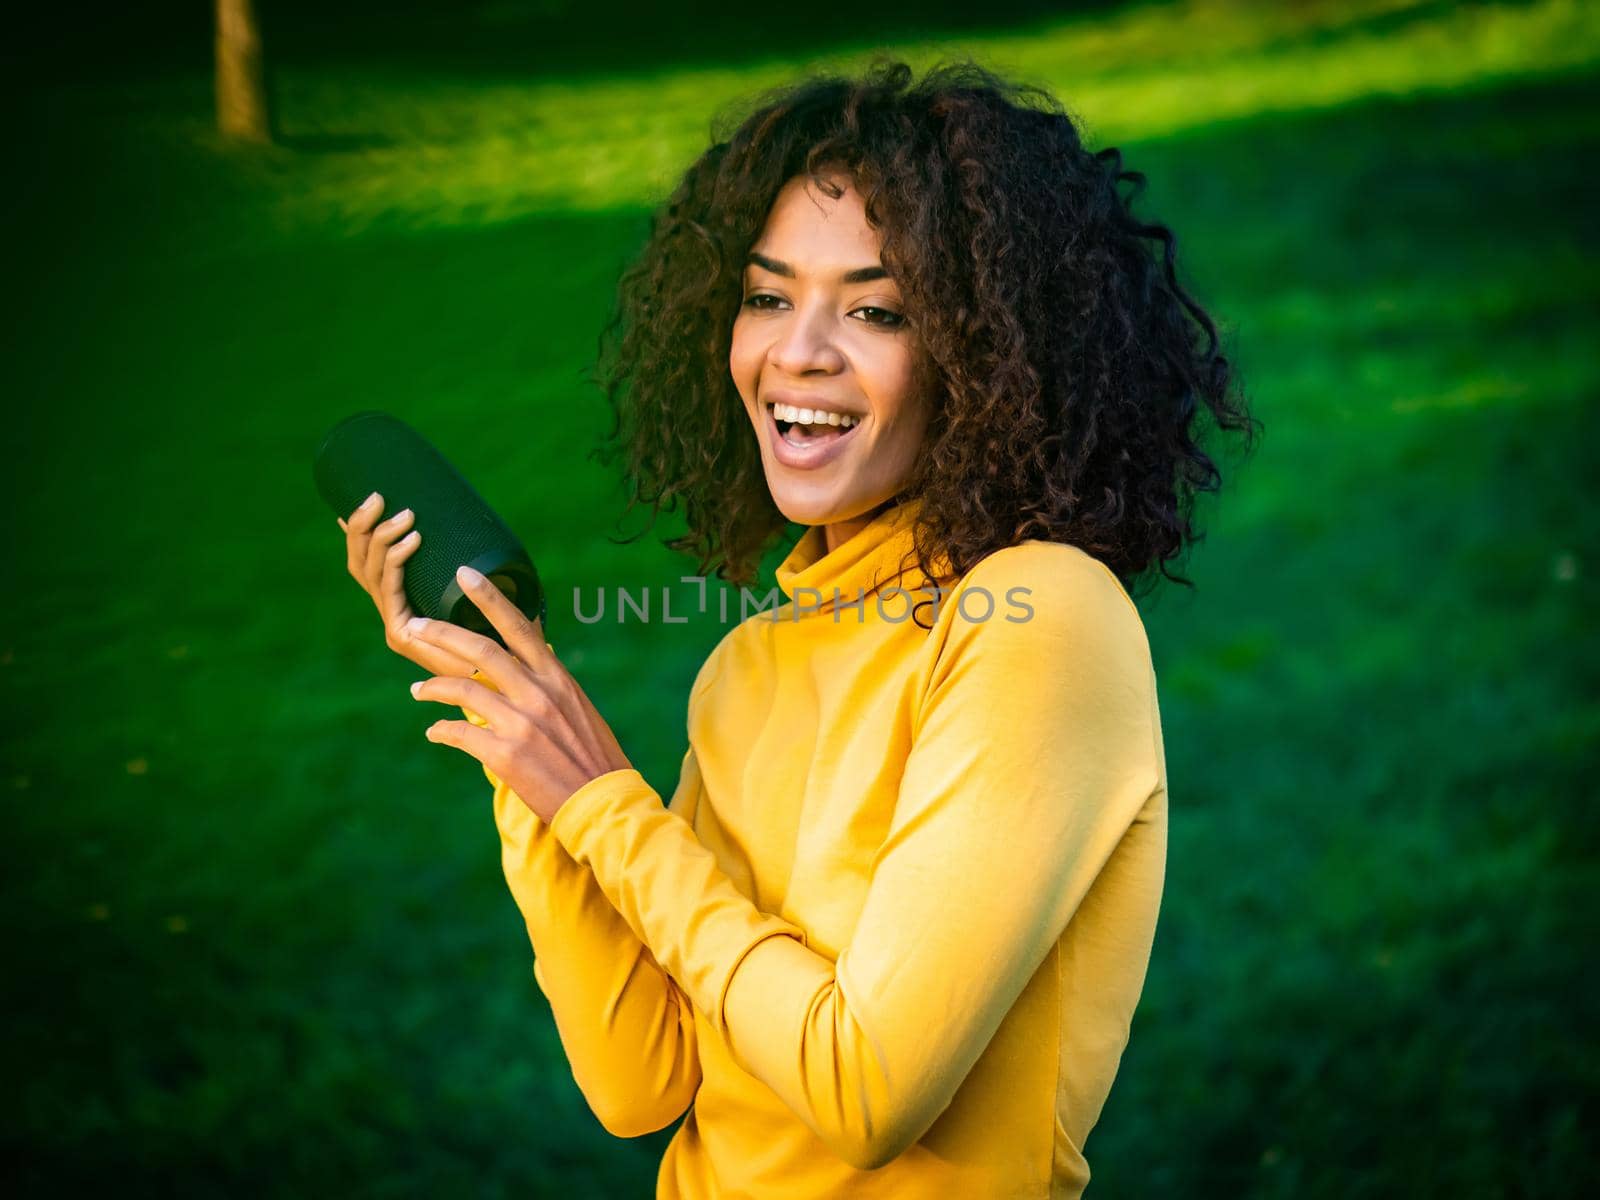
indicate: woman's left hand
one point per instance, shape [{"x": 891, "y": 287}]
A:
[{"x": 544, "y": 738}]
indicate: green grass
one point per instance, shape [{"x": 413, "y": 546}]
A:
[{"x": 259, "y": 943}]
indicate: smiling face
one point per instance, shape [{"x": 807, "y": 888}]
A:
[{"x": 821, "y": 328}]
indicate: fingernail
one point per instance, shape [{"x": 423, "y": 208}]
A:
[
  {"x": 416, "y": 687},
  {"x": 469, "y": 577},
  {"x": 416, "y": 624},
  {"x": 370, "y": 500}
]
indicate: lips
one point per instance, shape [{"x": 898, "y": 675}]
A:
[{"x": 806, "y": 457}]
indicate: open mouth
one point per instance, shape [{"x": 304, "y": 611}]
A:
[{"x": 816, "y": 433}]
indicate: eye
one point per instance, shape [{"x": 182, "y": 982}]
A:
[
  {"x": 886, "y": 318},
  {"x": 754, "y": 301}
]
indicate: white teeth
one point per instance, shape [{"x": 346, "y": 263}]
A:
[{"x": 812, "y": 416}]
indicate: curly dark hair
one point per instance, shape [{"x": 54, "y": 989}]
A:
[{"x": 1068, "y": 364}]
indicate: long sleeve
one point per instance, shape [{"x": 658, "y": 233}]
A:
[
  {"x": 1034, "y": 750},
  {"x": 627, "y": 1028}
]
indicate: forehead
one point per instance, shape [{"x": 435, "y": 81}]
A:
[{"x": 808, "y": 227}]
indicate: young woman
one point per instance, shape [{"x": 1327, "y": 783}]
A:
[{"x": 888, "y": 936}]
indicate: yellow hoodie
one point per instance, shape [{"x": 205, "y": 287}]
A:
[{"x": 901, "y": 904}]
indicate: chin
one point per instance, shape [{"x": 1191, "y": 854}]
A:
[
  {"x": 819, "y": 510},
  {"x": 804, "y": 511}
]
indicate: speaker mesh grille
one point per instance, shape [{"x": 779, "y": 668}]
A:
[{"x": 374, "y": 451}]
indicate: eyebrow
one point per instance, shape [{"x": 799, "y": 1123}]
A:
[{"x": 859, "y": 275}]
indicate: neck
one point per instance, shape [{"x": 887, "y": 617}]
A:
[{"x": 839, "y": 532}]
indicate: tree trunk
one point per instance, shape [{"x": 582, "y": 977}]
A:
[{"x": 242, "y": 108}]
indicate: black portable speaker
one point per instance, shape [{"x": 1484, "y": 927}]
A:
[{"x": 373, "y": 451}]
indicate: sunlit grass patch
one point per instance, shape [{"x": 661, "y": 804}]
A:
[{"x": 379, "y": 149}]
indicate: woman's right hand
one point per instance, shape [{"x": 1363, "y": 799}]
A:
[{"x": 375, "y": 555}]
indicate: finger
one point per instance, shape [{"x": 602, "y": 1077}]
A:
[
  {"x": 356, "y": 532},
  {"x": 468, "y": 694},
  {"x": 383, "y": 536},
  {"x": 523, "y": 637},
  {"x": 472, "y": 739},
  {"x": 431, "y": 658},
  {"x": 366, "y": 513},
  {"x": 391, "y": 592},
  {"x": 488, "y": 656},
  {"x": 395, "y": 607}
]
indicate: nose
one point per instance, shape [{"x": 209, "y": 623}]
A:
[{"x": 805, "y": 345}]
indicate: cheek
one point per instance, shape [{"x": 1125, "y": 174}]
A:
[{"x": 896, "y": 387}]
